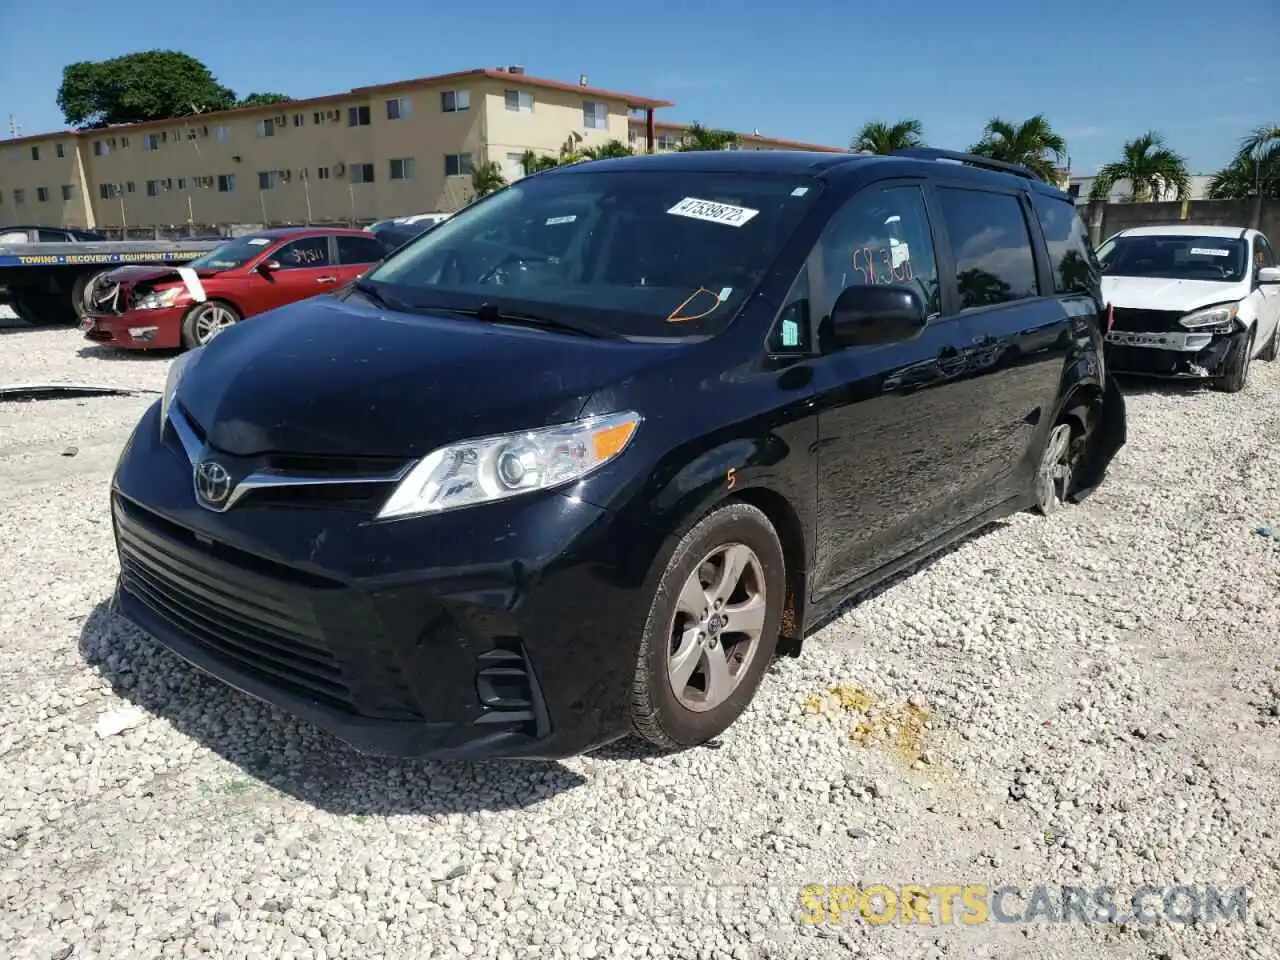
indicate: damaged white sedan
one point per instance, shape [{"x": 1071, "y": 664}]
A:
[{"x": 1191, "y": 301}]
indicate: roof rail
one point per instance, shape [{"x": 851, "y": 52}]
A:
[{"x": 971, "y": 159}]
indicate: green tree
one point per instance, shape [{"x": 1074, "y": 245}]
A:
[
  {"x": 608, "y": 150},
  {"x": 487, "y": 178},
  {"x": 1033, "y": 143},
  {"x": 1263, "y": 143},
  {"x": 263, "y": 99},
  {"x": 1149, "y": 166},
  {"x": 698, "y": 137},
  {"x": 532, "y": 162},
  {"x": 879, "y": 137},
  {"x": 1246, "y": 176},
  {"x": 152, "y": 85}
]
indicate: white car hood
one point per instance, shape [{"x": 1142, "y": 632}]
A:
[{"x": 1161, "y": 293}]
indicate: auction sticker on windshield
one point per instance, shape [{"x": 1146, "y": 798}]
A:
[
  {"x": 725, "y": 213},
  {"x": 1207, "y": 252}
]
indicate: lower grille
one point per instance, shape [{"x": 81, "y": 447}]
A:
[
  {"x": 269, "y": 633},
  {"x": 1142, "y": 360}
]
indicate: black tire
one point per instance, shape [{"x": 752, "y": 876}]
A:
[
  {"x": 1236, "y": 374},
  {"x": 657, "y": 715},
  {"x": 45, "y": 309},
  {"x": 192, "y": 319},
  {"x": 1272, "y": 349},
  {"x": 1053, "y": 482}
]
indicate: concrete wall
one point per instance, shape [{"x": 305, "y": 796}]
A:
[{"x": 1106, "y": 219}]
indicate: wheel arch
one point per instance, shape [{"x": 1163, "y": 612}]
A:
[{"x": 787, "y": 524}]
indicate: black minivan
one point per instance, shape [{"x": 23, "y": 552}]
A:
[{"x": 584, "y": 458}]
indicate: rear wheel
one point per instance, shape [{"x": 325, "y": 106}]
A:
[
  {"x": 205, "y": 321},
  {"x": 1236, "y": 374},
  {"x": 712, "y": 629},
  {"x": 1055, "y": 471}
]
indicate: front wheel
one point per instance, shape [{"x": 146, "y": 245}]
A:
[
  {"x": 1272, "y": 349},
  {"x": 1236, "y": 374},
  {"x": 205, "y": 321},
  {"x": 712, "y": 629}
]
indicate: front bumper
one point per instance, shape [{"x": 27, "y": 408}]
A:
[
  {"x": 508, "y": 630},
  {"x": 159, "y": 329},
  {"x": 1184, "y": 354}
]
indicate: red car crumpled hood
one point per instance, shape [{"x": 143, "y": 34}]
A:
[{"x": 134, "y": 274}]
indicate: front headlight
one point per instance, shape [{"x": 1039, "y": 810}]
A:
[
  {"x": 173, "y": 379},
  {"x": 159, "y": 298},
  {"x": 1211, "y": 317},
  {"x": 495, "y": 468}
]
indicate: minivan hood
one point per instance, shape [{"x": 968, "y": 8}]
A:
[
  {"x": 1162, "y": 293},
  {"x": 337, "y": 378}
]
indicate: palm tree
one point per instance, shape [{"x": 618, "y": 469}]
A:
[
  {"x": 878, "y": 137},
  {"x": 1263, "y": 143},
  {"x": 698, "y": 137},
  {"x": 608, "y": 150},
  {"x": 532, "y": 162},
  {"x": 1032, "y": 143},
  {"x": 1150, "y": 166},
  {"x": 487, "y": 178},
  {"x": 1245, "y": 177}
]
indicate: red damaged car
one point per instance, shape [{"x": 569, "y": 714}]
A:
[{"x": 147, "y": 308}]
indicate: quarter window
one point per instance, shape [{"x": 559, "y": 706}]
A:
[
  {"x": 1075, "y": 267},
  {"x": 1263, "y": 255},
  {"x": 304, "y": 253},
  {"x": 991, "y": 246}
]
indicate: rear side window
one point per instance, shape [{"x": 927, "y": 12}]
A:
[
  {"x": 1075, "y": 268},
  {"x": 991, "y": 247},
  {"x": 359, "y": 250},
  {"x": 300, "y": 254}
]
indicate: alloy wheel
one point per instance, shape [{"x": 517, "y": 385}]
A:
[
  {"x": 1053, "y": 477},
  {"x": 212, "y": 321},
  {"x": 716, "y": 629}
]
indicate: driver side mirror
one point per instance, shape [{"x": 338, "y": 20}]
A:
[
  {"x": 268, "y": 267},
  {"x": 1269, "y": 275},
  {"x": 873, "y": 315}
]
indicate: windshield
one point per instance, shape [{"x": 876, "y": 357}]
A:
[
  {"x": 642, "y": 253},
  {"x": 1174, "y": 258},
  {"x": 232, "y": 254}
]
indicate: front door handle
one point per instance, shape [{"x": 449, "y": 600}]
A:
[{"x": 327, "y": 280}]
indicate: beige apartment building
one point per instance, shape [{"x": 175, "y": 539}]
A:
[{"x": 370, "y": 153}]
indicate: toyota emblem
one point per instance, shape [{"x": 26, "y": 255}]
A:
[{"x": 213, "y": 483}]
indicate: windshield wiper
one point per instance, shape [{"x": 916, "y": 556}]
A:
[
  {"x": 372, "y": 292},
  {"x": 492, "y": 313}
]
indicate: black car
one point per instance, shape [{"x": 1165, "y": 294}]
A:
[
  {"x": 395, "y": 233},
  {"x": 30, "y": 234},
  {"x": 583, "y": 459}
]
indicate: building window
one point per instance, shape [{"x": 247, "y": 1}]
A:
[
  {"x": 402, "y": 169},
  {"x": 153, "y": 188},
  {"x": 632, "y": 137},
  {"x": 106, "y": 191},
  {"x": 42, "y": 194},
  {"x": 60, "y": 150},
  {"x": 357, "y": 116},
  {"x": 128, "y": 186},
  {"x": 455, "y": 101},
  {"x": 317, "y": 118},
  {"x": 457, "y": 165},
  {"x": 595, "y": 115},
  {"x": 362, "y": 173},
  {"x": 100, "y": 148},
  {"x": 182, "y": 183},
  {"x": 151, "y": 142},
  {"x": 124, "y": 141},
  {"x": 399, "y": 108},
  {"x": 299, "y": 119},
  {"x": 68, "y": 191},
  {"x": 322, "y": 173},
  {"x": 267, "y": 127},
  {"x": 222, "y": 133},
  {"x": 518, "y": 101},
  {"x": 19, "y": 196},
  {"x": 226, "y": 182},
  {"x": 35, "y": 153},
  {"x": 667, "y": 141},
  {"x": 268, "y": 179}
]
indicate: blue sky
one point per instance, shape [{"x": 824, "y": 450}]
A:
[{"x": 1102, "y": 70}]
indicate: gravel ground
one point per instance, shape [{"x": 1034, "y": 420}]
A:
[{"x": 1092, "y": 700}]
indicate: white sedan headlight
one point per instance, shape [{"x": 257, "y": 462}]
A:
[
  {"x": 495, "y": 468},
  {"x": 172, "y": 379},
  {"x": 1211, "y": 317}
]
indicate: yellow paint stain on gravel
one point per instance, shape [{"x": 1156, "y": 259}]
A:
[{"x": 900, "y": 730}]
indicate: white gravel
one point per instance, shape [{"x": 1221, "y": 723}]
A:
[{"x": 1091, "y": 700}]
